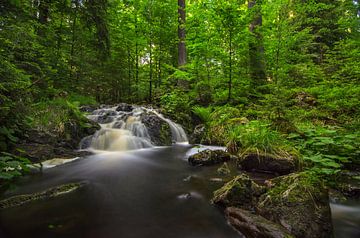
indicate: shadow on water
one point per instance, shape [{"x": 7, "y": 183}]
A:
[{"x": 146, "y": 193}]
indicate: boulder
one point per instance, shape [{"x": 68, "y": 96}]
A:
[
  {"x": 197, "y": 136},
  {"x": 123, "y": 107},
  {"x": 267, "y": 163},
  {"x": 300, "y": 203},
  {"x": 239, "y": 192},
  {"x": 209, "y": 157},
  {"x": 254, "y": 226},
  {"x": 19, "y": 200},
  {"x": 158, "y": 129}
]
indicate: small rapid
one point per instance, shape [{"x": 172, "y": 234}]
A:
[{"x": 123, "y": 129}]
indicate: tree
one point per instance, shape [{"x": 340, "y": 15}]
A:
[
  {"x": 182, "y": 33},
  {"x": 256, "y": 48}
]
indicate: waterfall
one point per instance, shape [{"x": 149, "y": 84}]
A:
[{"x": 122, "y": 129}]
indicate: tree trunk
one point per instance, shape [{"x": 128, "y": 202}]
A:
[
  {"x": 256, "y": 48},
  {"x": 230, "y": 65},
  {"x": 181, "y": 33}
]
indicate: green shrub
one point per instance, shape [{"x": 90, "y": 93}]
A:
[
  {"x": 82, "y": 100},
  {"x": 327, "y": 149},
  {"x": 12, "y": 166},
  {"x": 204, "y": 113},
  {"x": 51, "y": 116}
]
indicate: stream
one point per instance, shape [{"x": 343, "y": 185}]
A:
[{"x": 133, "y": 189}]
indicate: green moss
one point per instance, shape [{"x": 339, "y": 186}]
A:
[
  {"x": 240, "y": 191},
  {"x": 296, "y": 187}
]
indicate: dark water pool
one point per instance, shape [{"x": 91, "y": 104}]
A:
[{"x": 146, "y": 193}]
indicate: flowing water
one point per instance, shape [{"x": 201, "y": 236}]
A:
[
  {"x": 133, "y": 189},
  {"x": 346, "y": 219}
]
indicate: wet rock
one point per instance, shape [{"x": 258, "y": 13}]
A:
[
  {"x": 104, "y": 119},
  {"x": 350, "y": 190},
  {"x": 197, "y": 137},
  {"x": 224, "y": 169},
  {"x": 267, "y": 163},
  {"x": 209, "y": 157},
  {"x": 44, "y": 195},
  {"x": 300, "y": 203},
  {"x": 158, "y": 129},
  {"x": 39, "y": 146},
  {"x": 254, "y": 226},
  {"x": 240, "y": 192},
  {"x": 124, "y": 107},
  {"x": 35, "y": 151},
  {"x": 86, "y": 142},
  {"x": 87, "y": 108}
]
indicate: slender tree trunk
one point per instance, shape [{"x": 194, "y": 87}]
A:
[
  {"x": 150, "y": 73},
  {"x": 181, "y": 33},
  {"x": 129, "y": 72},
  {"x": 230, "y": 65},
  {"x": 256, "y": 48},
  {"x": 73, "y": 29},
  {"x": 137, "y": 59}
]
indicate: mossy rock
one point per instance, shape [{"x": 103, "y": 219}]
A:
[
  {"x": 209, "y": 157},
  {"x": 299, "y": 202},
  {"x": 252, "y": 225},
  {"x": 277, "y": 164},
  {"x": 19, "y": 200},
  {"x": 158, "y": 129},
  {"x": 239, "y": 192}
]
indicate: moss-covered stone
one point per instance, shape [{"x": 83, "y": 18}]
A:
[
  {"x": 283, "y": 164},
  {"x": 299, "y": 202},
  {"x": 209, "y": 157},
  {"x": 43, "y": 195},
  {"x": 239, "y": 192}
]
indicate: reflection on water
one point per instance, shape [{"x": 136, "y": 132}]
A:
[{"x": 147, "y": 193}]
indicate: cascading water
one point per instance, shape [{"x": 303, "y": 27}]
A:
[{"x": 123, "y": 130}]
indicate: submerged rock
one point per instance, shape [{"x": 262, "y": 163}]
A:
[
  {"x": 267, "y": 163},
  {"x": 47, "y": 194},
  {"x": 158, "y": 129},
  {"x": 209, "y": 157},
  {"x": 254, "y": 226},
  {"x": 239, "y": 192},
  {"x": 299, "y": 203}
]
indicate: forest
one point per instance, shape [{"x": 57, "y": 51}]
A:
[{"x": 275, "y": 84}]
